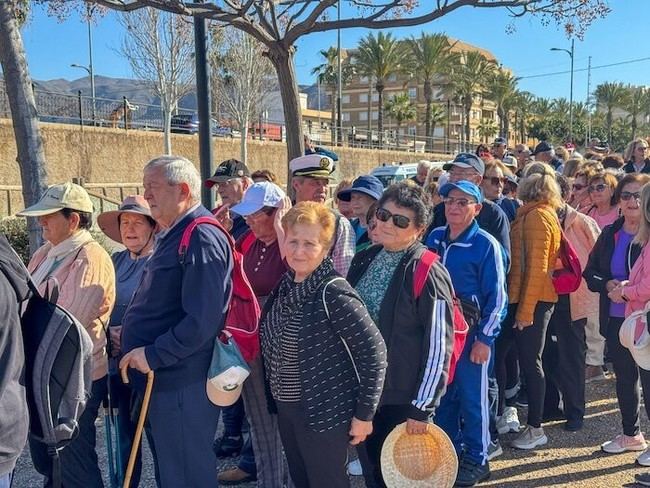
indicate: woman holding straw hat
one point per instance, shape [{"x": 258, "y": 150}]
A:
[{"x": 132, "y": 226}]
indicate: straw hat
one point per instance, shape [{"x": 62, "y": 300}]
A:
[
  {"x": 109, "y": 222},
  {"x": 418, "y": 461}
]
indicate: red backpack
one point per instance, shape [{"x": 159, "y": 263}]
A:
[
  {"x": 460, "y": 324},
  {"x": 243, "y": 314}
]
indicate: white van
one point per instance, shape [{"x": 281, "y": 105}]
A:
[{"x": 390, "y": 173}]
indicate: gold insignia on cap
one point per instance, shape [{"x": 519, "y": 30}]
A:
[{"x": 324, "y": 163}]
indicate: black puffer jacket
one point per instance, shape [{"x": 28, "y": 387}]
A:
[
  {"x": 418, "y": 333},
  {"x": 598, "y": 270},
  {"x": 14, "y": 418}
]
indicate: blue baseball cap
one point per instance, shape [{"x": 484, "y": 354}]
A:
[
  {"x": 466, "y": 187},
  {"x": 368, "y": 185},
  {"x": 467, "y": 160}
]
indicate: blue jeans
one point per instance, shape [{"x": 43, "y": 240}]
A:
[
  {"x": 79, "y": 466},
  {"x": 233, "y": 419},
  {"x": 5, "y": 479}
]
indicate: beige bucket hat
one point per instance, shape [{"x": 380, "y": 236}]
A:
[
  {"x": 109, "y": 222},
  {"x": 419, "y": 461}
]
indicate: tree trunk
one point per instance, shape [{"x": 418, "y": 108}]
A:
[
  {"x": 167, "y": 128},
  {"x": 369, "y": 133},
  {"x": 282, "y": 59},
  {"x": 468, "y": 111},
  {"x": 333, "y": 120},
  {"x": 399, "y": 128},
  {"x": 380, "y": 112},
  {"x": 243, "y": 138},
  {"x": 427, "y": 117},
  {"x": 31, "y": 157}
]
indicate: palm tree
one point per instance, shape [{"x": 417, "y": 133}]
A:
[
  {"x": 501, "y": 88},
  {"x": 378, "y": 58},
  {"x": 523, "y": 107},
  {"x": 327, "y": 74},
  {"x": 400, "y": 108},
  {"x": 468, "y": 78},
  {"x": 437, "y": 114},
  {"x": 610, "y": 96},
  {"x": 430, "y": 57},
  {"x": 542, "y": 107},
  {"x": 487, "y": 129},
  {"x": 635, "y": 105}
]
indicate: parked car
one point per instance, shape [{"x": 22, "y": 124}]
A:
[{"x": 185, "y": 123}]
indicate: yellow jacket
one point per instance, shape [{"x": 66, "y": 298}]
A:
[{"x": 535, "y": 241}]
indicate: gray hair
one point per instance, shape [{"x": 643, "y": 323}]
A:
[
  {"x": 177, "y": 170},
  {"x": 425, "y": 164}
]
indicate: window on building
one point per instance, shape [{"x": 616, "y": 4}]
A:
[
  {"x": 375, "y": 97},
  {"x": 392, "y": 77},
  {"x": 363, "y": 79},
  {"x": 345, "y": 99},
  {"x": 413, "y": 131},
  {"x": 363, "y": 116},
  {"x": 413, "y": 92},
  {"x": 375, "y": 115},
  {"x": 363, "y": 98},
  {"x": 346, "y": 116}
]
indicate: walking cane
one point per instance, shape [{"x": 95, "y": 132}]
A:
[{"x": 138, "y": 431}]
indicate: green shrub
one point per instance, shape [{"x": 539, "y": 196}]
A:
[{"x": 15, "y": 229}]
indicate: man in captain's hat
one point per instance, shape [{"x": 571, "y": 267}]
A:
[{"x": 311, "y": 175}]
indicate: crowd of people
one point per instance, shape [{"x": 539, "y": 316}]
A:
[{"x": 351, "y": 345}]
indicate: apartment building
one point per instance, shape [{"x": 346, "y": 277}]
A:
[{"x": 359, "y": 102}]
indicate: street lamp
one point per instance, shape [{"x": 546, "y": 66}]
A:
[
  {"x": 570, "y": 53},
  {"x": 339, "y": 82},
  {"x": 92, "y": 85}
]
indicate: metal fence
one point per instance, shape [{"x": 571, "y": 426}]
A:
[{"x": 132, "y": 114}]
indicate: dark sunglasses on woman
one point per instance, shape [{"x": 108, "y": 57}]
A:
[
  {"x": 597, "y": 188},
  {"x": 399, "y": 221},
  {"x": 627, "y": 195}
]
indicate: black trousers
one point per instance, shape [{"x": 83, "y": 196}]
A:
[
  {"x": 530, "y": 345},
  {"x": 315, "y": 459},
  {"x": 564, "y": 361},
  {"x": 79, "y": 464},
  {"x": 627, "y": 380},
  {"x": 386, "y": 419}
]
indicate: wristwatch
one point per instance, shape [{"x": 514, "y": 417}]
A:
[{"x": 623, "y": 296}]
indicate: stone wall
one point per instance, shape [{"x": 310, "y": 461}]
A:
[{"x": 103, "y": 155}]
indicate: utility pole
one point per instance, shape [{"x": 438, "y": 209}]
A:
[
  {"x": 339, "y": 82},
  {"x": 588, "y": 134},
  {"x": 91, "y": 71}
]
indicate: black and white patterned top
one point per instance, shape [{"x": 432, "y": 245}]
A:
[{"x": 341, "y": 354}]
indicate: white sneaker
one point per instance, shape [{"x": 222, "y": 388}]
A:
[
  {"x": 509, "y": 421},
  {"x": 644, "y": 458},
  {"x": 354, "y": 468},
  {"x": 622, "y": 443},
  {"x": 530, "y": 438}
]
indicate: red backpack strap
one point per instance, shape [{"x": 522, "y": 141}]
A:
[
  {"x": 247, "y": 242},
  {"x": 187, "y": 234},
  {"x": 422, "y": 271}
]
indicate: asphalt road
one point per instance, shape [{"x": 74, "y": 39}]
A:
[{"x": 569, "y": 459}]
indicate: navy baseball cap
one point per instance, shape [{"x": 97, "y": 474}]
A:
[
  {"x": 466, "y": 187},
  {"x": 500, "y": 141},
  {"x": 543, "y": 146},
  {"x": 368, "y": 185},
  {"x": 467, "y": 160}
]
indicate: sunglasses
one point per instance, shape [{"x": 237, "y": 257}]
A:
[
  {"x": 399, "y": 221},
  {"x": 597, "y": 188},
  {"x": 627, "y": 195},
  {"x": 641, "y": 148},
  {"x": 578, "y": 187},
  {"x": 461, "y": 202},
  {"x": 495, "y": 180}
]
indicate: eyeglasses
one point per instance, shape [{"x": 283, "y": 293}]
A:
[
  {"x": 461, "y": 202},
  {"x": 642, "y": 148},
  {"x": 495, "y": 180},
  {"x": 578, "y": 187},
  {"x": 399, "y": 221},
  {"x": 597, "y": 188},
  {"x": 627, "y": 195},
  {"x": 262, "y": 211}
]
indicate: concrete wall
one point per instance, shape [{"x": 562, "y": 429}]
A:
[{"x": 103, "y": 155}]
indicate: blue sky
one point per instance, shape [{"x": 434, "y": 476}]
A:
[{"x": 52, "y": 47}]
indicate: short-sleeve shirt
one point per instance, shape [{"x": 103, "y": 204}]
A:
[{"x": 264, "y": 267}]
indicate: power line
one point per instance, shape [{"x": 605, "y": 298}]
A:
[{"x": 586, "y": 69}]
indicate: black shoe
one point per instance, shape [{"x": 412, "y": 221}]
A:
[
  {"x": 228, "y": 446},
  {"x": 553, "y": 415},
  {"x": 573, "y": 425},
  {"x": 471, "y": 473}
]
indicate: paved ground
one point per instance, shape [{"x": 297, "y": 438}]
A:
[{"x": 570, "y": 459}]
